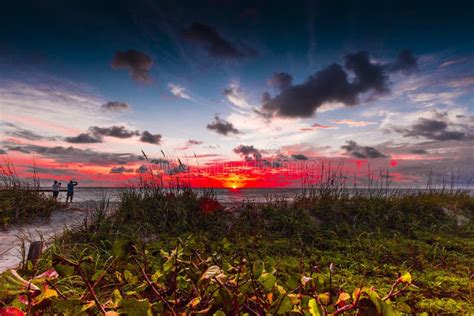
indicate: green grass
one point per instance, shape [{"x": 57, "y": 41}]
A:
[
  {"x": 21, "y": 201},
  {"x": 174, "y": 237}
]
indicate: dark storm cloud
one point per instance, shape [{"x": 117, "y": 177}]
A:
[
  {"x": 54, "y": 171},
  {"x": 120, "y": 169},
  {"x": 160, "y": 161},
  {"x": 368, "y": 75},
  {"x": 405, "y": 63},
  {"x": 115, "y": 106},
  {"x": 21, "y": 149},
  {"x": 72, "y": 154},
  {"x": 113, "y": 131},
  {"x": 433, "y": 130},
  {"x": 137, "y": 63},
  {"x": 280, "y": 80},
  {"x": 142, "y": 169},
  {"x": 362, "y": 152},
  {"x": 192, "y": 142},
  {"x": 148, "y": 137},
  {"x": 25, "y": 133},
  {"x": 248, "y": 152},
  {"x": 419, "y": 151},
  {"x": 215, "y": 45},
  {"x": 332, "y": 85},
  {"x": 299, "y": 157},
  {"x": 181, "y": 168},
  {"x": 82, "y": 138},
  {"x": 222, "y": 127}
]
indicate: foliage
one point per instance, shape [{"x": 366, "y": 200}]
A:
[{"x": 188, "y": 282}]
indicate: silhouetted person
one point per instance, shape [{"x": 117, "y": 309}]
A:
[
  {"x": 70, "y": 190},
  {"x": 55, "y": 188}
]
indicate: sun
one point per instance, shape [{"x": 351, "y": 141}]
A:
[{"x": 234, "y": 186}]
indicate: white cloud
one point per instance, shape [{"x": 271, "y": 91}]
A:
[
  {"x": 179, "y": 91},
  {"x": 235, "y": 96},
  {"x": 352, "y": 123}
]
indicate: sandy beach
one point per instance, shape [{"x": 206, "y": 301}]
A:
[{"x": 11, "y": 238}]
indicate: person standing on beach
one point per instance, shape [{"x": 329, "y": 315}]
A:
[
  {"x": 70, "y": 190},
  {"x": 55, "y": 188}
]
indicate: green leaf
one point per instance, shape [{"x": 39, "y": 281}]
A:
[
  {"x": 285, "y": 306},
  {"x": 120, "y": 248},
  {"x": 314, "y": 308},
  {"x": 219, "y": 313},
  {"x": 129, "y": 277},
  {"x": 324, "y": 298},
  {"x": 72, "y": 307},
  {"x": 13, "y": 284},
  {"x": 406, "y": 278},
  {"x": 268, "y": 280},
  {"x": 64, "y": 270},
  {"x": 367, "y": 308},
  {"x": 387, "y": 309},
  {"x": 134, "y": 307},
  {"x": 211, "y": 272},
  {"x": 343, "y": 298},
  {"x": 117, "y": 297},
  {"x": 295, "y": 299},
  {"x": 258, "y": 268},
  {"x": 169, "y": 263}
]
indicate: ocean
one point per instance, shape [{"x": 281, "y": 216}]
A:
[{"x": 225, "y": 196}]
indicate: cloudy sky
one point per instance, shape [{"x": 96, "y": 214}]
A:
[{"x": 237, "y": 93}]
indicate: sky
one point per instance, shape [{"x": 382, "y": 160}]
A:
[{"x": 238, "y": 94}]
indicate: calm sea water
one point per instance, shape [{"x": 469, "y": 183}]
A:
[{"x": 226, "y": 196}]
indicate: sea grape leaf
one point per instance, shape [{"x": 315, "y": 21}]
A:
[
  {"x": 129, "y": 277},
  {"x": 46, "y": 293},
  {"x": 314, "y": 308},
  {"x": 135, "y": 307},
  {"x": 120, "y": 247},
  {"x": 295, "y": 299},
  {"x": 117, "y": 297},
  {"x": 324, "y": 298},
  {"x": 64, "y": 270},
  {"x": 268, "y": 280},
  {"x": 11, "y": 283},
  {"x": 387, "y": 309},
  {"x": 48, "y": 275},
  {"x": 285, "y": 306},
  {"x": 211, "y": 272},
  {"x": 343, "y": 298},
  {"x": 11, "y": 311},
  {"x": 367, "y": 307},
  {"x": 169, "y": 263},
  {"x": 258, "y": 268},
  {"x": 72, "y": 307},
  {"x": 406, "y": 278}
]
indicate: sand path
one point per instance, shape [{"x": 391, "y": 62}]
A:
[{"x": 10, "y": 239}]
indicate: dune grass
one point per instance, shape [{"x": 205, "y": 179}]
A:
[{"x": 21, "y": 201}]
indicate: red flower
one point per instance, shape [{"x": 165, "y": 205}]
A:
[
  {"x": 208, "y": 205},
  {"x": 11, "y": 311}
]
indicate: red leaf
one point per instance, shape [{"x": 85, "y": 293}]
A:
[{"x": 11, "y": 311}]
